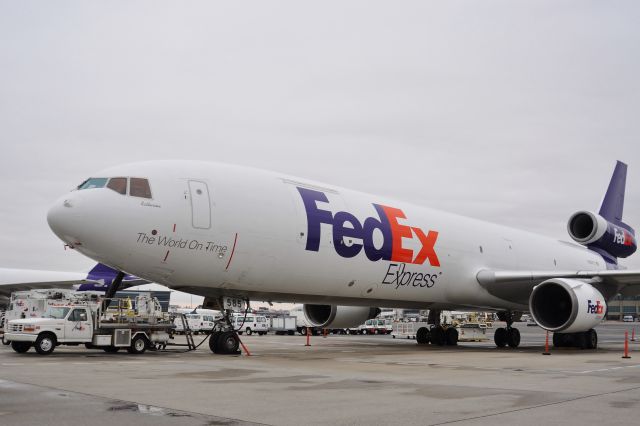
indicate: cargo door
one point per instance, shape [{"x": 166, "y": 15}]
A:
[{"x": 200, "y": 204}]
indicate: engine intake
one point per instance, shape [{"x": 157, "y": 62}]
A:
[
  {"x": 592, "y": 230},
  {"x": 566, "y": 305},
  {"x": 335, "y": 316}
]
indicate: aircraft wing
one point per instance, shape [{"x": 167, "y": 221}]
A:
[
  {"x": 98, "y": 279},
  {"x": 516, "y": 286},
  {"x": 23, "y": 279}
]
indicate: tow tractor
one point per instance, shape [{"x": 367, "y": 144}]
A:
[{"x": 93, "y": 323}]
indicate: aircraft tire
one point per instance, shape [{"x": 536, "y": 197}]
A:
[
  {"x": 513, "y": 337},
  {"x": 577, "y": 340},
  {"x": 422, "y": 336},
  {"x": 438, "y": 336},
  {"x": 21, "y": 347},
  {"x": 451, "y": 336},
  {"x": 213, "y": 341},
  {"x": 500, "y": 337},
  {"x": 591, "y": 338},
  {"x": 228, "y": 343},
  {"x": 558, "y": 340}
]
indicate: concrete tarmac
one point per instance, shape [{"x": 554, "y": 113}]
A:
[{"x": 339, "y": 380}]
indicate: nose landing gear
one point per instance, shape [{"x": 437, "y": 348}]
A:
[
  {"x": 224, "y": 339},
  {"x": 507, "y": 335}
]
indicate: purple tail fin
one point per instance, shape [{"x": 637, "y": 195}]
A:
[
  {"x": 613, "y": 202},
  {"x": 105, "y": 276}
]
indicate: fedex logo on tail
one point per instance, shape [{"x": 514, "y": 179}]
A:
[
  {"x": 622, "y": 237},
  {"x": 346, "y": 225},
  {"x": 597, "y": 309}
]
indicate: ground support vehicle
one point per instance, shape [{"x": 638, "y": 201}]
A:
[
  {"x": 425, "y": 333},
  {"x": 250, "y": 323},
  {"x": 283, "y": 325},
  {"x": 197, "y": 323},
  {"x": 86, "y": 322},
  {"x": 472, "y": 332}
]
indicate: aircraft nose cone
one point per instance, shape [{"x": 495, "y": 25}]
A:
[{"x": 61, "y": 217}]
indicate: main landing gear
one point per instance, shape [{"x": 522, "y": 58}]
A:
[
  {"x": 583, "y": 340},
  {"x": 507, "y": 335},
  {"x": 438, "y": 334}
]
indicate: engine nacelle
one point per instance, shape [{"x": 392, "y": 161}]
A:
[
  {"x": 333, "y": 316},
  {"x": 566, "y": 305},
  {"x": 593, "y": 230}
]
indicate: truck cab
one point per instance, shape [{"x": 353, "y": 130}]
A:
[{"x": 62, "y": 324}]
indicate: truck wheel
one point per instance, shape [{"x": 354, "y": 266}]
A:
[
  {"x": 21, "y": 347},
  {"x": 138, "y": 345},
  {"x": 249, "y": 331},
  {"x": 45, "y": 344},
  {"x": 111, "y": 349}
]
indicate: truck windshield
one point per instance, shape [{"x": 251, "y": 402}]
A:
[{"x": 58, "y": 313}]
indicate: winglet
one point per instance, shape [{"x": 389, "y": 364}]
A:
[{"x": 613, "y": 202}]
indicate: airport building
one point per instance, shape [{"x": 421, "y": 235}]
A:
[{"x": 621, "y": 306}]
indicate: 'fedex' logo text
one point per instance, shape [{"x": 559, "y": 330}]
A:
[
  {"x": 622, "y": 237},
  {"x": 346, "y": 225},
  {"x": 597, "y": 309}
]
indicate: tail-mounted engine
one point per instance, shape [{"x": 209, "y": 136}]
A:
[
  {"x": 594, "y": 231},
  {"x": 333, "y": 316},
  {"x": 566, "y": 305}
]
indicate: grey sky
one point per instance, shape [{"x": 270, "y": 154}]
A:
[{"x": 513, "y": 112}]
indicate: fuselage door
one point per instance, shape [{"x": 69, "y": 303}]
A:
[{"x": 200, "y": 204}]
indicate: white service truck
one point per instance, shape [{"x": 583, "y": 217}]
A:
[{"x": 69, "y": 322}]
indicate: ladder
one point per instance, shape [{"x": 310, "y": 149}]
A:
[{"x": 187, "y": 332}]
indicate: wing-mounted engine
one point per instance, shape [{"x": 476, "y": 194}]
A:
[
  {"x": 334, "y": 316},
  {"x": 594, "y": 231},
  {"x": 566, "y": 305}
]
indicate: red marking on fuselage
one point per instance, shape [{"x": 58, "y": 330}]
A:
[
  {"x": 398, "y": 253},
  {"x": 174, "y": 227},
  {"x": 165, "y": 256},
  {"x": 233, "y": 250}
]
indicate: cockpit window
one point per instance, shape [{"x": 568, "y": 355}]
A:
[
  {"x": 118, "y": 184},
  {"x": 93, "y": 183},
  {"x": 140, "y": 188}
]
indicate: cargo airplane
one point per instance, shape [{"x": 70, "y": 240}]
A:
[{"x": 219, "y": 230}]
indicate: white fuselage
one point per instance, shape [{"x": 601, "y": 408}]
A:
[{"x": 215, "y": 229}]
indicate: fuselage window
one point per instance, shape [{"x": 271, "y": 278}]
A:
[
  {"x": 93, "y": 183},
  {"x": 118, "y": 184},
  {"x": 139, "y": 187}
]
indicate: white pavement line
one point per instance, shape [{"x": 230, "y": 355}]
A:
[
  {"x": 9, "y": 364},
  {"x": 607, "y": 369}
]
